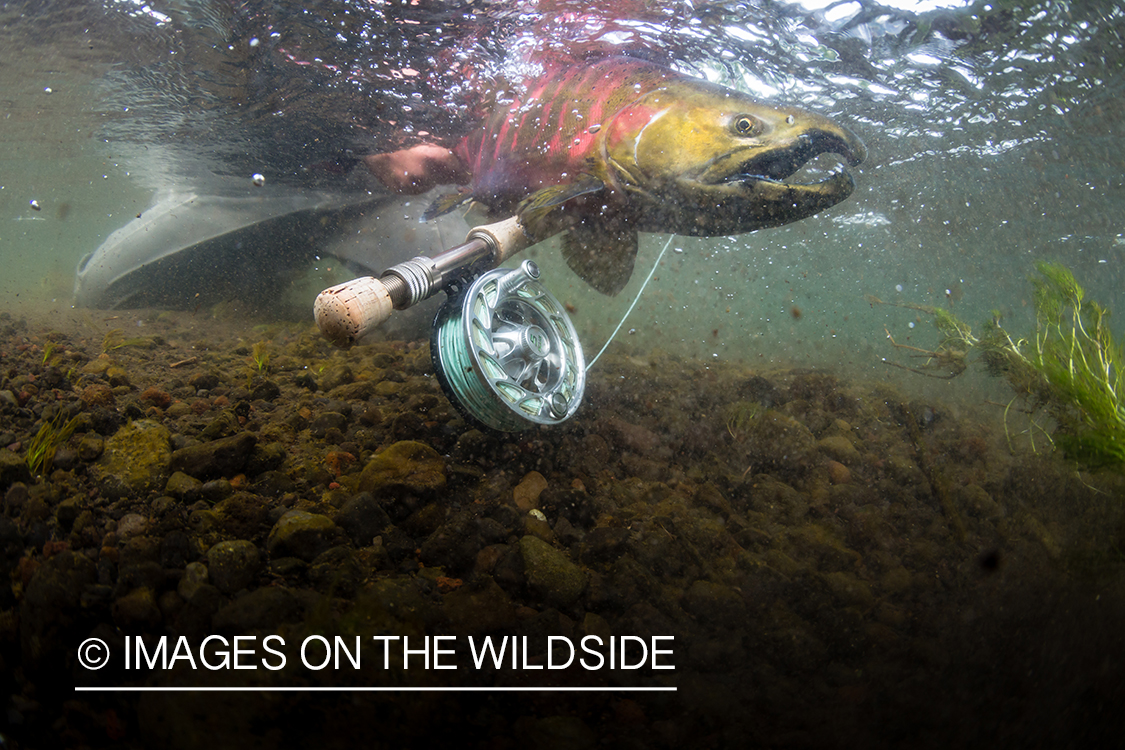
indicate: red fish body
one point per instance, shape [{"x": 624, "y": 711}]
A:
[
  {"x": 548, "y": 136},
  {"x": 603, "y": 150}
]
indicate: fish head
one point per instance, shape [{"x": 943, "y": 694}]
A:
[{"x": 703, "y": 160}]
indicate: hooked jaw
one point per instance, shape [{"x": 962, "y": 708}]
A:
[
  {"x": 787, "y": 145},
  {"x": 750, "y": 188}
]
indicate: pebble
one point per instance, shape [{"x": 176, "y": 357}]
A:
[
  {"x": 408, "y": 465},
  {"x": 232, "y": 566},
  {"x": 527, "y": 492},
  {"x": 135, "y": 459},
  {"x": 551, "y": 573},
  {"x": 326, "y": 421},
  {"x": 137, "y": 610},
  {"x": 714, "y": 604},
  {"x": 50, "y": 608},
  {"x": 216, "y": 458},
  {"x": 838, "y": 473},
  {"x": 260, "y": 609},
  {"x": 195, "y": 575},
  {"x": 13, "y": 468},
  {"x": 302, "y": 535},
  {"x": 839, "y": 448},
  {"x": 182, "y": 486},
  {"x": 362, "y": 518},
  {"x": 131, "y": 524}
]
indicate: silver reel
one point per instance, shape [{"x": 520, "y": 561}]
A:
[{"x": 506, "y": 352}]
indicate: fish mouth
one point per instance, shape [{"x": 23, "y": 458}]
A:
[
  {"x": 800, "y": 161},
  {"x": 824, "y": 173},
  {"x": 770, "y": 187}
]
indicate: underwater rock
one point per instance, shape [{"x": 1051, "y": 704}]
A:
[
  {"x": 325, "y": 421},
  {"x": 839, "y": 448},
  {"x": 849, "y": 590},
  {"x": 550, "y": 573},
  {"x": 362, "y": 518},
  {"x": 137, "y": 610},
  {"x": 223, "y": 457},
  {"x": 408, "y": 465},
  {"x": 336, "y": 571},
  {"x": 13, "y": 468},
  {"x": 232, "y": 566},
  {"x": 265, "y": 390},
  {"x": 90, "y": 447},
  {"x": 714, "y": 604},
  {"x": 156, "y": 397},
  {"x": 243, "y": 515},
  {"x": 480, "y": 607},
  {"x": 264, "y": 608},
  {"x": 97, "y": 394},
  {"x": 195, "y": 576},
  {"x": 527, "y": 492},
  {"x": 631, "y": 436},
  {"x": 336, "y": 376},
  {"x": 131, "y": 524},
  {"x": 181, "y": 486},
  {"x": 51, "y": 620},
  {"x": 777, "y": 440},
  {"x": 302, "y": 535},
  {"x": 136, "y": 459},
  {"x": 838, "y": 473}
]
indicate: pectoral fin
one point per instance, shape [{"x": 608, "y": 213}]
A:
[
  {"x": 446, "y": 203},
  {"x": 541, "y": 212},
  {"x": 602, "y": 256}
]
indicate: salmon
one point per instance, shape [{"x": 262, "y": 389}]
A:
[{"x": 603, "y": 151}]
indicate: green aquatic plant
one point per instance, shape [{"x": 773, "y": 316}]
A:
[
  {"x": 41, "y": 449},
  {"x": 258, "y": 363},
  {"x": 48, "y": 352},
  {"x": 114, "y": 339},
  {"x": 740, "y": 415},
  {"x": 260, "y": 357},
  {"x": 1070, "y": 367}
]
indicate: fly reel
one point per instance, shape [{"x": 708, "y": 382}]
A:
[
  {"x": 506, "y": 353},
  {"x": 504, "y": 349}
]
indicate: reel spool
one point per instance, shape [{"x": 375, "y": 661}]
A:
[{"x": 506, "y": 353}]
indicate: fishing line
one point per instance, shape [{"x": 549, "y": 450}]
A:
[{"x": 635, "y": 300}]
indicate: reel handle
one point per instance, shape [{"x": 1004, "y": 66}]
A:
[{"x": 346, "y": 312}]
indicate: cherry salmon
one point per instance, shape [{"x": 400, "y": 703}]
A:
[{"x": 604, "y": 150}]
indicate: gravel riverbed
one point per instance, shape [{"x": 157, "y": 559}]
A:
[{"x": 837, "y": 563}]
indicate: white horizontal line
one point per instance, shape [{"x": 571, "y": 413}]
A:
[{"x": 216, "y": 689}]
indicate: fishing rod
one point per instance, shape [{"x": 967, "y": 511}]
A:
[{"x": 504, "y": 349}]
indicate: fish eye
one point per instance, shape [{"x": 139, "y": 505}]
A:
[{"x": 744, "y": 125}]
